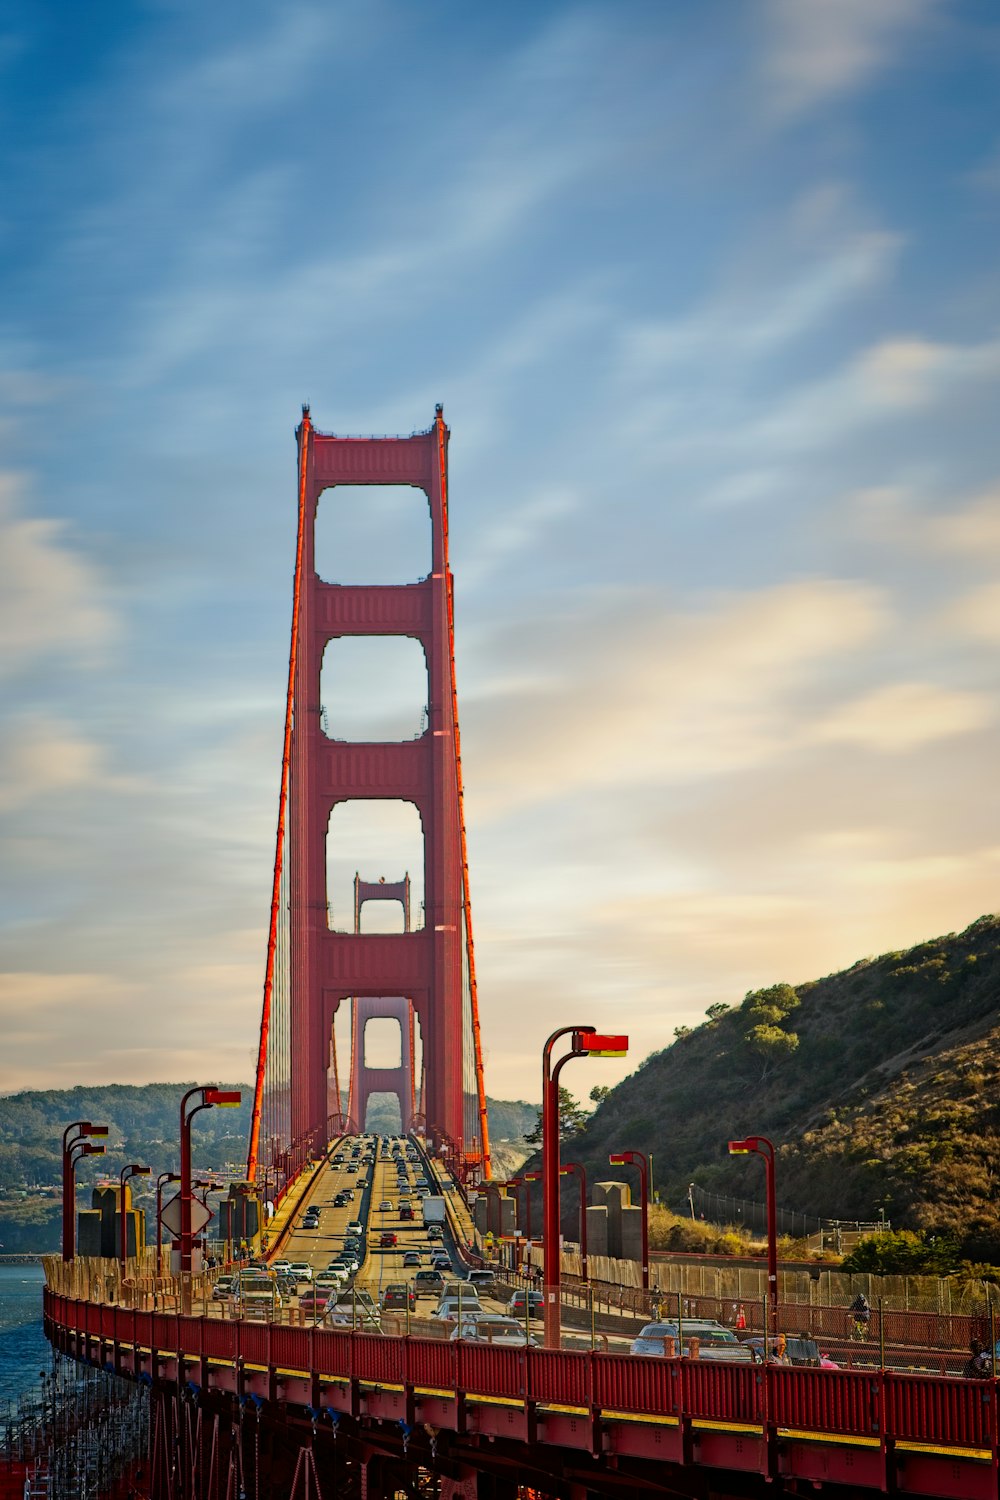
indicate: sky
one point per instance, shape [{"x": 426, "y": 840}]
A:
[{"x": 710, "y": 292}]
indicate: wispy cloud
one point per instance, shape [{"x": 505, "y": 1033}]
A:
[
  {"x": 818, "y": 50},
  {"x": 52, "y": 598}
]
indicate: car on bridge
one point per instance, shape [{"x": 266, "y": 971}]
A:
[
  {"x": 428, "y": 1283},
  {"x": 302, "y": 1269},
  {"x": 385, "y": 1207},
  {"x": 493, "y": 1328},
  {"x": 462, "y": 1309},
  {"x": 355, "y": 1227},
  {"x": 330, "y": 1279},
  {"x": 411, "y": 1258},
  {"x": 535, "y": 1304},
  {"x": 398, "y": 1295},
  {"x": 387, "y": 1240},
  {"x": 483, "y": 1279},
  {"x": 715, "y": 1341}
]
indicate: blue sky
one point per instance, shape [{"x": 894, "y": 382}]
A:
[{"x": 711, "y": 295}]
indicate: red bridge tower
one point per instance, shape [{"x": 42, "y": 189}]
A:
[{"x": 433, "y": 968}]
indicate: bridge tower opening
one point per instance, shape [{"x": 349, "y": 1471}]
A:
[{"x": 424, "y": 976}]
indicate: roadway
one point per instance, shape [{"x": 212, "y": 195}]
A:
[{"x": 379, "y": 1267}]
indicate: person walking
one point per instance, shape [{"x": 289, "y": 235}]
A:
[{"x": 861, "y": 1312}]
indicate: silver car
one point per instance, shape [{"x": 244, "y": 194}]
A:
[{"x": 714, "y": 1341}]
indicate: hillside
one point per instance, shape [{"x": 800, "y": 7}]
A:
[
  {"x": 143, "y": 1122},
  {"x": 878, "y": 1086}
]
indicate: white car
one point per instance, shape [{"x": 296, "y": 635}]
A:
[
  {"x": 302, "y": 1269},
  {"x": 492, "y": 1328},
  {"x": 448, "y": 1309},
  {"x": 385, "y": 1207},
  {"x": 281, "y": 1267},
  {"x": 332, "y": 1277},
  {"x": 355, "y": 1227}
]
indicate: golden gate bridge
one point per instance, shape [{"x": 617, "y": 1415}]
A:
[{"x": 255, "y": 1394}]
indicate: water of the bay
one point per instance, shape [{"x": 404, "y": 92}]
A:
[{"x": 24, "y": 1350}]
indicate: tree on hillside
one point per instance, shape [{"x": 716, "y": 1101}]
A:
[
  {"x": 572, "y": 1119},
  {"x": 600, "y": 1092},
  {"x": 764, "y": 1012}
]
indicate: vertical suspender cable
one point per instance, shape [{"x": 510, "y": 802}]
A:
[
  {"x": 467, "y": 906},
  {"x": 286, "y": 757}
]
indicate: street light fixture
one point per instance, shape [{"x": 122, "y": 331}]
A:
[
  {"x": 636, "y": 1159},
  {"x": 759, "y": 1145},
  {"x": 126, "y": 1172},
  {"x": 208, "y": 1096},
  {"x": 161, "y": 1183},
  {"x": 585, "y": 1041},
  {"x": 519, "y": 1182},
  {"x": 82, "y": 1128},
  {"x": 567, "y": 1170},
  {"x": 76, "y": 1149}
]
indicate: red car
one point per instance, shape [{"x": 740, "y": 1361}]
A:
[{"x": 387, "y": 1240}]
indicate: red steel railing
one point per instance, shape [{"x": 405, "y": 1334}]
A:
[{"x": 882, "y": 1405}]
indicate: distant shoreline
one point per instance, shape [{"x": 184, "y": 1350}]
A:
[{"x": 22, "y": 1258}]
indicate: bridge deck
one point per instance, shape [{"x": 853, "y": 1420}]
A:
[{"x": 876, "y": 1430}]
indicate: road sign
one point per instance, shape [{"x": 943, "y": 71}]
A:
[{"x": 171, "y": 1215}]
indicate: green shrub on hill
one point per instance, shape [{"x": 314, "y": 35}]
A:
[{"x": 880, "y": 1087}]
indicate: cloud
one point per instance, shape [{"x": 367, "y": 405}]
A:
[
  {"x": 51, "y": 596},
  {"x": 903, "y": 716},
  {"x": 976, "y": 615},
  {"x": 642, "y": 694},
  {"x": 891, "y": 379},
  {"x": 749, "y": 322},
  {"x": 973, "y": 531},
  {"x": 42, "y": 758},
  {"x": 818, "y": 50}
]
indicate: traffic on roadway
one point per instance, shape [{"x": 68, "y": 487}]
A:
[{"x": 370, "y": 1246}]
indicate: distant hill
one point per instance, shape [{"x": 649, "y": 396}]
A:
[
  {"x": 510, "y": 1119},
  {"x": 143, "y": 1123},
  {"x": 144, "y": 1126},
  {"x": 878, "y": 1086}
]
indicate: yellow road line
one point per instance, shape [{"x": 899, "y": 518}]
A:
[
  {"x": 851, "y": 1439},
  {"x": 983, "y": 1455},
  {"x": 709, "y": 1426},
  {"x": 639, "y": 1416}
]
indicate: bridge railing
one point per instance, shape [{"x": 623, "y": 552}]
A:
[{"x": 956, "y": 1414}]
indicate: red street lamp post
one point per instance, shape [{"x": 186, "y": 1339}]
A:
[
  {"x": 567, "y": 1170},
  {"x": 519, "y": 1182},
  {"x": 636, "y": 1159},
  {"x": 126, "y": 1172},
  {"x": 203, "y": 1186},
  {"x": 161, "y": 1183},
  {"x": 759, "y": 1145},
  {"x": 208, "y": 1096},
  {"x": 69, "y": 1140},
  {"x": 529, "y": 1178},
  {"x": 584, "y": 1042},
  {"x": 72, "y": 1155}
]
